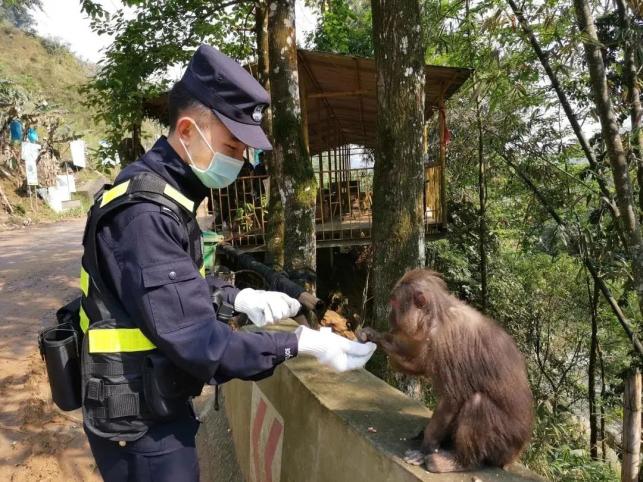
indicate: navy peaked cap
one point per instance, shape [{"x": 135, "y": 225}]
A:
[{"x": 235, "y": 97}]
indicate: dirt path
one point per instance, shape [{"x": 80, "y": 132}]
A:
[{"x": 39, "y": 269}]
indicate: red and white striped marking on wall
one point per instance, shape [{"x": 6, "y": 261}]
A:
[{"x": 266, "y": 439}]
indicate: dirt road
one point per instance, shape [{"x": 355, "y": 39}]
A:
[{"x": 39, "y": 269}]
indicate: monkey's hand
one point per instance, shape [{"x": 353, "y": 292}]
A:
[{"x": 369, "y": 334}]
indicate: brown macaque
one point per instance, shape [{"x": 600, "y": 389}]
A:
[{"x": 484, "y": 414}]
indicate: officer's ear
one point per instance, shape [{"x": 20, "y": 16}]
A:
[{"x": 184, "y": 128}]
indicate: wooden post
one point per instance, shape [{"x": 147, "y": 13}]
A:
[
  {"x": 347, "y": 178},
  {"x": 322, "y": 201},
  {"x": 427, "y": 187},
  {"x": 337, "y": 178},
  {"x": 443, "y": 153},
  {"x": 320, "y": 190},
  {"x": 630, "y": 466},
  {"x": 304, "y": 113}
]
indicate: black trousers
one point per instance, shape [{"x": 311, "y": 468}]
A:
[{"x": 166, "y": 453}]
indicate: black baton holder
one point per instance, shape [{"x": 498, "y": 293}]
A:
[{"x": 60, "y": 351}]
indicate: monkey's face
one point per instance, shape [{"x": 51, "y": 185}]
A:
[
  {"x": 418, "y": 303},
  {"x": 408, "y": 308}
]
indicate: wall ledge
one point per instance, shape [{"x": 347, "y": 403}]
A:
[{"x": 307, "y": 423}]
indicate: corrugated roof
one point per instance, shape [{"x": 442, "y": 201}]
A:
[{"x": 340, "y": 96}]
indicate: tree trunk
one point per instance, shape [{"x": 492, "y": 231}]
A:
[
  {"x": 630, "y": 466},
  {"x": 130, "y": 148},
  {"x": 630, "y": 78},
  {"x": 398, "y": 212},
  {"x": 275, "y": 218},
  {"x": 398, "y": 217},
  {"x": 482, "y": 174},
  {"x": 602, "y": 437},
  {"x": 591, "y": 375},
  {"x": 298, "y": 186},
  {"x": 609, "y": 128},
  {"x": 482, "y": 194}
]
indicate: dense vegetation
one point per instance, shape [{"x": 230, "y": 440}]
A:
[
  {"x": 508, "y": 255},
  {"x": 544, "y": 178}
]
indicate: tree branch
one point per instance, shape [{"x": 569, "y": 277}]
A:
[{"x": 586, "y": 261}]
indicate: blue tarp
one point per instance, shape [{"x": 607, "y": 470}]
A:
[
  {"x": 16, "y": 130},
  {"x": 32, "y": 135}
]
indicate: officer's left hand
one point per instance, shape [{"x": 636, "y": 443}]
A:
[{"x": 265, "y": 307}]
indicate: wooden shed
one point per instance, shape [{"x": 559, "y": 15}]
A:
[{"x": 339, "y": 110}]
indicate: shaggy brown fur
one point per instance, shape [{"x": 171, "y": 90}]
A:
[{"x": 485, "y": 409}]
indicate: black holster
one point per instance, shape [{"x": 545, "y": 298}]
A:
[
  {"x": 167, "y": 388},
  {"x": 59, "y": 349}
]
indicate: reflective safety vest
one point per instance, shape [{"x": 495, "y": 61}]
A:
[{"x": 122, "y": 371}]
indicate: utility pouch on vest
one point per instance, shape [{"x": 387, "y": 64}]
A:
[
  {"x": 70, "y": 313},
  {"x": 166, "y": 387},
  {"x": 59, "y": 349}
]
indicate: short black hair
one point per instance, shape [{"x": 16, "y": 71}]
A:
[{"x": 179, "y": 100}]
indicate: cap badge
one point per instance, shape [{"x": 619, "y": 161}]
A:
[{"x": 257, "y": 115}]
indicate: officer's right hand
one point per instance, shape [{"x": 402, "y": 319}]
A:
[{"x": 332, "y": 350}]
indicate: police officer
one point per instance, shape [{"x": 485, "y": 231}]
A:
[{"x": 151, "y": 334}]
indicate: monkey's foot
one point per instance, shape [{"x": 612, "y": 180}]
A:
[
  {"x": 444, "y": 461},
  {"x": 414, "y": 457}
]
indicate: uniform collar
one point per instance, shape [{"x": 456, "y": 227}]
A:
[{"x": 164, "y": 161}]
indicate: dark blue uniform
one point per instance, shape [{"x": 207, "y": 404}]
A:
[{"x": 137, "y": 246}]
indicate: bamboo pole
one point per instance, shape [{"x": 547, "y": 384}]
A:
[{"x": 631, "y": 464}]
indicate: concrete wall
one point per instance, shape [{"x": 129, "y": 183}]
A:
[{"x": 308, "y": 424}]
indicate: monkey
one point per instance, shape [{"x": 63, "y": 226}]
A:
[{"x": 484, "y": 414}]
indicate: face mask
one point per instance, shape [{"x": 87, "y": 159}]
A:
[{"x": 222, "y": 170}]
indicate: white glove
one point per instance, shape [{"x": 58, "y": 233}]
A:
[
  {"x": 265, "y": 307},
  {"x": 334, "y": 351}
]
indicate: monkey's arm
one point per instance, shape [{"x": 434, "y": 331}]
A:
[
  {"x": 402, "y": 350},
  {"x": 440, "y": 424}
]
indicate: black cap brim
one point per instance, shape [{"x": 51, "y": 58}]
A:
[{"x": 250, "y": 135}]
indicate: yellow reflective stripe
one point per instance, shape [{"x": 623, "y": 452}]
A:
[
  {"x": 118, "y": 340},
  {"x": 178, "y": 197},
  {"x": 114, "y": 192},
  {"x": 202, "y": 271},
  {"x": 169, "y": 191},
  {"x": 84, "y": 281},
  {"x": 84, "y": 320}
]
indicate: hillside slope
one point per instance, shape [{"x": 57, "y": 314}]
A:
[{"x": 45, "y": 70}]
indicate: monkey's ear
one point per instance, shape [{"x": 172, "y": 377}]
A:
[{"x": 419, "y": 299}]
